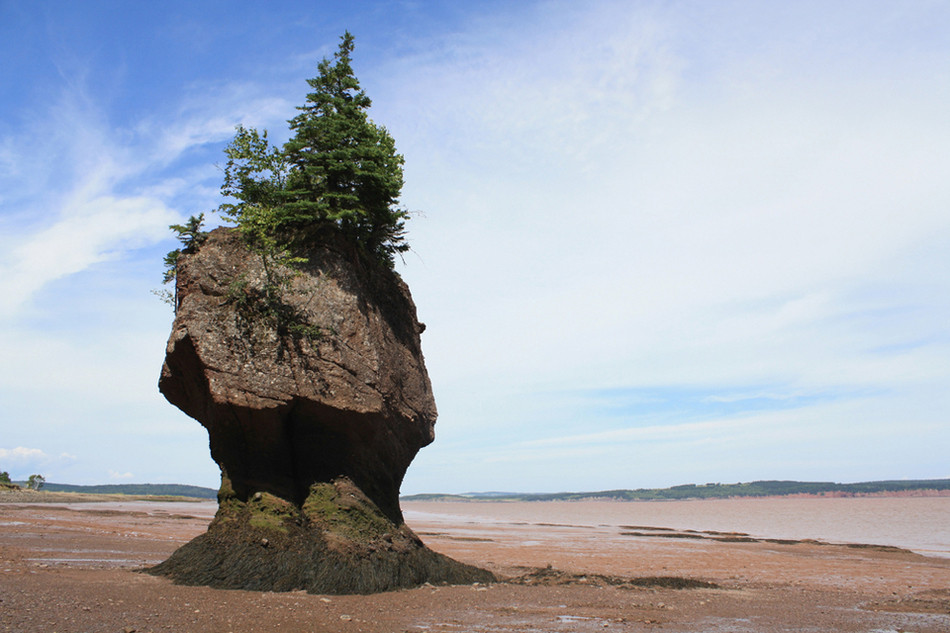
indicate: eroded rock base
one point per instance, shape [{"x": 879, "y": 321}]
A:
[{"x": 337, "y": 542}]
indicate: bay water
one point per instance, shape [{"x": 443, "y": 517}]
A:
[{"x": 920, "y": 524}]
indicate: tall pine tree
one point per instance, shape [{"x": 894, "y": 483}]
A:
[{"x": 343, "y": 168}]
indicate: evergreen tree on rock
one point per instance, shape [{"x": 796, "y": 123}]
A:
[{"x": 343, "y": 168}]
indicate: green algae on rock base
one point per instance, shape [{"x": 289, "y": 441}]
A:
[{"x": 337, "y": 542}]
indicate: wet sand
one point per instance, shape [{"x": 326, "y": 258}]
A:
[{"x": 73, "y": 568}]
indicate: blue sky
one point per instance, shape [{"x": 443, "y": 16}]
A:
[{"x": 654, "y": 243}]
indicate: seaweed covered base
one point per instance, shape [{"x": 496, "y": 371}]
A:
[{"x": 337, "y": 542}]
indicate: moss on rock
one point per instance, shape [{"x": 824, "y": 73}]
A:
[
  {"x": 337, "y": 542},
  {"x": 268, "y": 512},
  {"x": 342, "y": 509}
]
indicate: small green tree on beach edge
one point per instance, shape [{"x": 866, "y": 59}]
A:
[{"x": 35, "y": 482}]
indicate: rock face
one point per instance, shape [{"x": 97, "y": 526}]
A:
[{"x": 315, "y": 404}]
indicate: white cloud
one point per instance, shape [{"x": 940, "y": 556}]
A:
[
  {"x": 96, "y": 193},
  {"x": 22, "y": 453},
  {"x": 528, "y": 100},
  {"x": 713, "y": 230},
  {"x": 213, "y": 120},
  {"x": 676, "y": 205},
  {"x": 23, "y": 461},
  {"x": 82, "y": 337},
  {"x": 87, "y": 232},
  {"x": 117, "y": 475},
  {"x": 74, "y": 210}
]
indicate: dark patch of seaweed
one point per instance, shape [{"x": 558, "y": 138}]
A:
[
  {"x": 741, "y": 537},
  {"x": 267, "y": 561},
  {"x": 548, "y": 576}
]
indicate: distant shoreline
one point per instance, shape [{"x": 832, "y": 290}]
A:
[
  {"x": 61, "y": 493},
  {"x": 43, "y": 496},
  {"x": 751, "y": 490},
  {"x": 51, "y": 496},
  {"x": 921, "y": 494}
]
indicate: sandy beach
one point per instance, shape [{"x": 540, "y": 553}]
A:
[{"x": 74, "y": 567}]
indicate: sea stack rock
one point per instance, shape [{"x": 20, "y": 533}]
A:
[{"x": 313, "y": 389}]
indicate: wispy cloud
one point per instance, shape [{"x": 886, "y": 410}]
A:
[
  {"x": 87, "y": 231},
  {"x": 96, "y": 192},
  {"x": 721, "y": 231},
  {"x": 79, "y": 213},
  {"x": 85, "y": 204},
  {"x": 701, "y": 206},
  {"x": 208, "y": 114}
]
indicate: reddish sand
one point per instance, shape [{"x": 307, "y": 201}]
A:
[{"x": 72, "y": 568}]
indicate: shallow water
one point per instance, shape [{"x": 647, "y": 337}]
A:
[{"x": 921, "y": 524}]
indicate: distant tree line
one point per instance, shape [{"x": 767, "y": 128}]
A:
[
  {"x": 34, "y": 482},
  {"x": 709, "y": 491}
]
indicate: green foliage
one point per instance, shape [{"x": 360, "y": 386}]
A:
[
  {"x": 345, "y": 168},
  {"x": 339, "y": 171},
  {"x": 171, "y": 265},
  {"x": 259, "y": 228},
  {"x": 254, "y": 176},
  {"x": 35, "y": 482},
  {"x": 265, "y": 303},
  {"x": 5, "y": 477},
  {"x": 191, "y": 237}
]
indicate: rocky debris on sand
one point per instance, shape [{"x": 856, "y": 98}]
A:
[
  {"x": 550, "y": 577},
  {"x": 315, "y": 403}
]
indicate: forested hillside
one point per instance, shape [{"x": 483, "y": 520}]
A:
[{"x": 707, "y": 491}]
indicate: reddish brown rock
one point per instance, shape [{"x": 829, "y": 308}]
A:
[{"x": 315, "y": 405}]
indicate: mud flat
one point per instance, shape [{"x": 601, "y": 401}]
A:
[{"x": 71, "y": 567}]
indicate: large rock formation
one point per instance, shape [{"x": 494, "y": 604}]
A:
[{"x": 315, "y": 396}]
